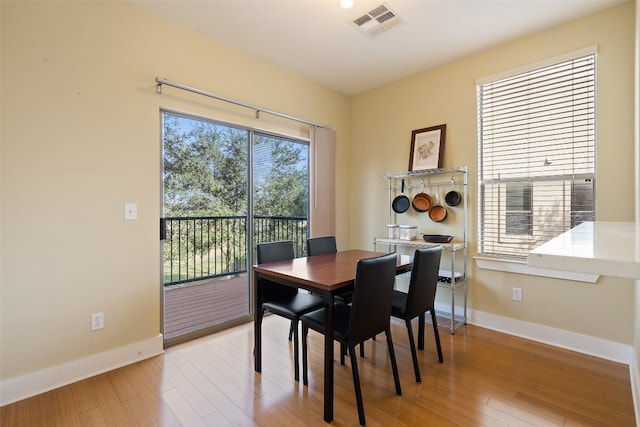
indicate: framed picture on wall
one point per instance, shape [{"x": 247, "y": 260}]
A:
[{"x": 427, "y": 147}]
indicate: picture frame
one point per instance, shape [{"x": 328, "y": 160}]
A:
[{"x": 427, "y": 148}]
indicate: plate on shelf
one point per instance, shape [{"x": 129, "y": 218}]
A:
[{"x": 437, "y": 238}]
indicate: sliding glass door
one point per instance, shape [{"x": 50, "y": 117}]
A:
[{"x": 225, "y": 188}]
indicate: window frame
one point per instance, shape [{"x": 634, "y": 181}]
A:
[{"x": 494, "y": 259}]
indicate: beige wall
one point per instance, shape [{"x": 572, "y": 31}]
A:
[
  {"x": 382, "y": 122},
  {"x": 80, "y": 137}
]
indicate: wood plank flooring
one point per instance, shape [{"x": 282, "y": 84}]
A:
[{"x": 487, "y": 379}]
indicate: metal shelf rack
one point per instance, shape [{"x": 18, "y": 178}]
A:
[{"x": 453, "y": 275}]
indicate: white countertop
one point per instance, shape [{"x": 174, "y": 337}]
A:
[{"x": 601, "y": 247}]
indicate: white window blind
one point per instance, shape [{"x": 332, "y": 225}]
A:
[{"x": 536, "y": 156}]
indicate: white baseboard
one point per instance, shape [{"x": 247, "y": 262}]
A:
[
  {"x": 34, "y": 383},
  {"x": 580, "y": 343}
]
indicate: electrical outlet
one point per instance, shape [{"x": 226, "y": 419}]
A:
[
  {"x": 97, "y": 321},
  {"x": 516, "y": 294}
]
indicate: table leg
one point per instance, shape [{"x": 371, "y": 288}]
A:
[
  {"x": 328, "y": 357},
  {"x": 257, "y": 324}
]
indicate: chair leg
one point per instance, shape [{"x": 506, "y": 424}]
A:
[
  {"x": 293, "y": 325},
  {"x": 437, "y": 335},
  {"x": 421, "y": 332},
  {"x": 394, "y": 365},
  {"x": 296, "y": 363},
  {"x": 343, "y": 352},
  {"x": 414, "y": 353},
  {"x": 356, "y": 384},
  {"x": 373, "y": 338},
  {"x": 305, "y": 365}
]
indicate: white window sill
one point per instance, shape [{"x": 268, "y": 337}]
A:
[{"x": 521, "y": 267}]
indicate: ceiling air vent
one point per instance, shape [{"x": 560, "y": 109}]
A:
[{"x": 376, "y": 21}]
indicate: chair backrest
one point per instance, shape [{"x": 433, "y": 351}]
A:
[
  {"x": 321, "y": 245},
  {"x": 372, "y": 297},
  {"x": 273, "y": 252},
  {"x": 424, "y": 281}
]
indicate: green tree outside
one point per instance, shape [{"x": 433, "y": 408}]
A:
[{"x": 205, "y": 172}]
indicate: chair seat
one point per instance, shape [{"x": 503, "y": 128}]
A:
[
  {"x": 341, "y": 313},
  {"x": 293, "y": 306}
]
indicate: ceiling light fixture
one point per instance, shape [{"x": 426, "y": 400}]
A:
[{"x": 346, "y": 4}]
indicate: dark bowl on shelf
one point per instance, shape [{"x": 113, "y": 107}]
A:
[{"x": 437, "y": 238}]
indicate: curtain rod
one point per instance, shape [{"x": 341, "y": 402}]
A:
[{"x": 258, "y": 110}]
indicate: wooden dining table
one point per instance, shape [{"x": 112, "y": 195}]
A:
[{"x": 321, "y": 274}]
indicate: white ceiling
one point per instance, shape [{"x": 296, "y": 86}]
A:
[{"x": 315, "y": 38}]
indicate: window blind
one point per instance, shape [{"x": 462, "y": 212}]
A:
[{"x": 536, "y": 156}]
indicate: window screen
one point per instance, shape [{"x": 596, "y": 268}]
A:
[{"x": 536, "y": 156}]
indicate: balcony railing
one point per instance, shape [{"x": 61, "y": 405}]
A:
[{"x": 204, "y": 247}]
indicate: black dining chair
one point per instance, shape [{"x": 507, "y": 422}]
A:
[
  {"x": 321, "y": 245},
  {"x": 419, "y": 299},
  {"x": 284, "y": 300},
  {"x": 327, "y": 245},
  {"x": 368, "y": 315}
]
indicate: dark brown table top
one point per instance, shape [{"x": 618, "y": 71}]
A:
[{"x": 326, "y": 272}]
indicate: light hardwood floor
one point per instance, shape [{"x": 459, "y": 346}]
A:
[{"x": 487, "y": 378}]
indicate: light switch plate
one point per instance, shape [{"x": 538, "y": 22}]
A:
[{"x": 130, "y": 211}]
